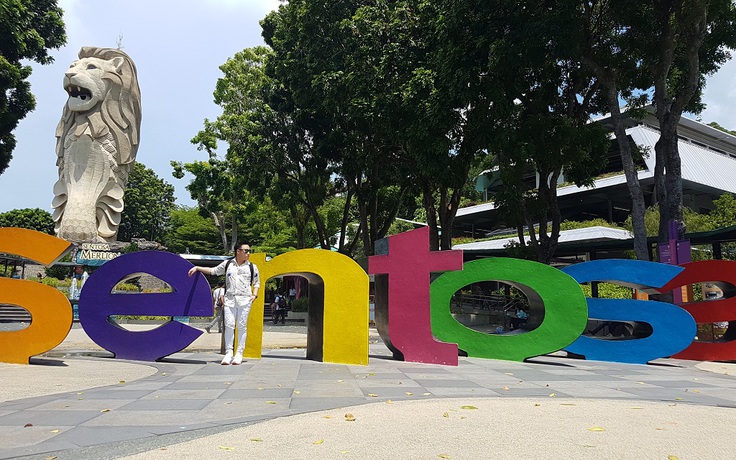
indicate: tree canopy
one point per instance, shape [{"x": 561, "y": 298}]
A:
[
  {"x": 34, "y": 219},
  {"x": 149, "y": 201},
  {"x": 28, "y": 30},
  {"x": 380, "y": 105}
]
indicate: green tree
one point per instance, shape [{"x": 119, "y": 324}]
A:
[
  {"x": 527, "y": 103},
  {"x": 149, "y": 201},
  {"x": 603, "y": 35},
  {"x": 715, "y": 125},
  {"x": 664, "y": 50},
  {"x": 680, "y": 43},
  {"x": 324, "y": 68},
  {"x": 29, "y": 28},
  {"x": 267, "y": 150},
  {"x": 34, "y": 219},
  {"x": 191, "y": 233}
]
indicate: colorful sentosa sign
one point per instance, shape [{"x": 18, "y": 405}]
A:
[{"x": 415, "y": 320}]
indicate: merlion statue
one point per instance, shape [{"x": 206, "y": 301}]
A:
[{"x": 96, "y": 143}]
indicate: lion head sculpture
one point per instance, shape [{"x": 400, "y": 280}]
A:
[{"x": 96, "y": 144}]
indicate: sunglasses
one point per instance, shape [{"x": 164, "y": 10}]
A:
[{"x": 244, "y": 250}]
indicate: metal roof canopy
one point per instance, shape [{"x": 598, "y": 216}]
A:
[
  {"x": 573, "y": 247},
  {"x": 708, "y": 166}
]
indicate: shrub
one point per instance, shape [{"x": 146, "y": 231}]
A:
[
  {"x": 608, "y": 291},
  {"x": 50, "y": 281},
  {"x": 126, "y": 287},
  {"x": 300, "y": 305}
]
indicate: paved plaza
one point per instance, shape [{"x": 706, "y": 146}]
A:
[{"x": 76, "y": 402}]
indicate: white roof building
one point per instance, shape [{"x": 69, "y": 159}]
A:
[{"x": 708, "y": 158}]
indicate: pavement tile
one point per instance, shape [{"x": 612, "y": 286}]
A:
[
  {"x": 207, "y": 394},
  {"x": 318, "y": 404},
  {"x": 255, "y": 393},
  {"x": 92, "y": 435},
  {"x": 165, "y": 404},
  {"x": 445, "y": 383},
  {"x": 80, "y": 403},
  {"x": 144, "y": 418},
  {"x": 113, "y": 394},
  {"x": 191, "y": 391}
]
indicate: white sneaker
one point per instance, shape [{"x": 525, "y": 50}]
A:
[
  {"x": 228, "y": 358},
  {"x": 238, "y": 359}
]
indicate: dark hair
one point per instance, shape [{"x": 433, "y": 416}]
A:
[{"x": 239, "y": 244}]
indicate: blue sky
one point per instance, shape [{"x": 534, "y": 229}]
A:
[{"x": 177, "y": 46}]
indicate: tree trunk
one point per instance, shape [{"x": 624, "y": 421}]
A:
[
  {"x": 218, "y": 219},
  {"x": 429, "y": 207},
  {"x": 638, "y": 206}
]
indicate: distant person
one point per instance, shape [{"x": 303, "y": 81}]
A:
[
  {"x": 519, "y": 319},
  {"x": 242, "y": 283},
  {"x": 218, "y": 296},
  {"x": 292, "y": 295},
  {"x": 278, "y": 309}
]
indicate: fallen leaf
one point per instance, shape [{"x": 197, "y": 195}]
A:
[
  {"x": 319, "y": 441},
  {"x": 270, "y": 402},
  {"x": 372, "y": 395},
  {"x": 672, "y": 457},
  {"x": 297, "y": 392},
  {"x": 567, "y": 404},
  {"x": 163, "y": 373},
  {"x": 260, "y": 388},
  {"x": 388, "y": 401},
  {"x": 53, "y": 457},
  {"x": 349, "y": 418},
  {"x": 340, "y": 381},
  {"x": 468, "y": 407},
  {"x": 279, "y": 385},
  {"x": 641, "y": 383},
  {"x": 696, "y": 391},
  {"x": 409, "y": 393},
  {"x": 122, "y": 381},
  {"x": 552, "y": 395},
  {"x": 509, "y": 373},
  {"x": 537, "y": 405},
  {"x": 596, "y": 428},
  {"x": 55, "y": 431},
  {"x": 637, "y": 408},
  {"x": 105, "y": 410},
  {"x": 446, "y": 415},
  {"x": 505, "y": 388},
  {"x": 679, "y": 399},
  {"x": 426, "y": 394},
  {"x": 256, "y": 439},
  {"x": 444, "y": 456},
  {"x": 225, "y": 447},
  {"x": 344, "y": 452}
]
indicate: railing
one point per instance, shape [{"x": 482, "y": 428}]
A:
[
  {"x": 491, "y": 303},
  {"x": 498, "y": 308}
]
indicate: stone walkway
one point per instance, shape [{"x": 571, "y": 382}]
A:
[{"x": 191, "y": 395}]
